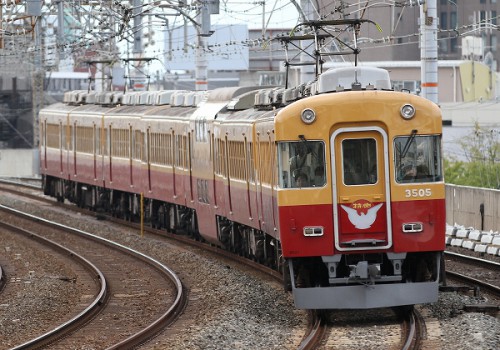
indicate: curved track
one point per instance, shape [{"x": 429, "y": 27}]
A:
[
  {"x": 117, "y": 265},
  {"x": 102, "y": 290}
]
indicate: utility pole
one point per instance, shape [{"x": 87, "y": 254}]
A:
[
  {"x": 60, "y": 28},
  {"x": 207, "y": 8},
  {"x": 429, "y": 50},
  {"x": 136, "y": 13},
  {"x": 35, "y": 9},
  {"x": 137, "y": 48},
  {"x": 307, "y": 71},
  {"x": 201, "y": 76}
]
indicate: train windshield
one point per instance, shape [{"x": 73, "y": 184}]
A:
[
  {"x": 418, "y": 159},
  {"x": 301, "y": 164},
  {"x": 359, "y": 161}
]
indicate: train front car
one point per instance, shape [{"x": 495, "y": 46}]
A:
[{"x": 361, "y": 193}]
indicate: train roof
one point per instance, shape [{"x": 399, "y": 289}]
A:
[
  {"x": 90, "y": 108},
  {"x": 129, "y": 110},
  {"x": 241, "y": 98},
  {"x": 230, "y": 93},
  {"x": 169, "y": 111},
  {"x": 244, "y": 116}
]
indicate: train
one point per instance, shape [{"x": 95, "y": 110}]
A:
[{"x": 337, "y": 183}]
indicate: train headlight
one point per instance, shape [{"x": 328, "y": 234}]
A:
[
  {"x": 308, "y": 116},
  {"x": 407, "y": 111}
]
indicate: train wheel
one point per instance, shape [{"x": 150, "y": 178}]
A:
[
  {"x": 172, "y": 219},
  {"x": 442, "y": 271},
  {"x": 404, "y": 310},
  {"x": 287, "y": 280}
]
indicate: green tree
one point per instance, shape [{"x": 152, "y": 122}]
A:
[{"x": 482, "y": 168}]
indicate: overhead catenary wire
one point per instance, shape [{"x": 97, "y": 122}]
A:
[{"x": 91, "y": 35}]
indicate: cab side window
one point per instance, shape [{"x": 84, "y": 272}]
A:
[{"x": 301, "y": 164}]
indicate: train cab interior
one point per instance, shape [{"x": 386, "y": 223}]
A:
[{"x": 302, "y": 164}]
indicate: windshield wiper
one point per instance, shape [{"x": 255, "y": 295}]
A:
[{"x": 406, "y": 148}]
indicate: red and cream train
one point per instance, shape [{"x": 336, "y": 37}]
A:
[{"x": 338, "y": 183}]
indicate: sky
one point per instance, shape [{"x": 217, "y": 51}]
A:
[
  {"x": 273, "y": 14},
  {"x": 277, "y": 13}
]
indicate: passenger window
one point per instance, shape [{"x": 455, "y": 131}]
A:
[{"x": 359, "y": 161}]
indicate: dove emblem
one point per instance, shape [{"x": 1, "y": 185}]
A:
[{"x": 362, "y": 221}]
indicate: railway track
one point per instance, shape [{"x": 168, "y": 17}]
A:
[
  {"x": 129, "y": 274},
  {"x": 263, "y": 308},
  {"x": 478, "y": 275},
  {"x": 88, "y": 274},
  {"x": 397, "y": 328}
]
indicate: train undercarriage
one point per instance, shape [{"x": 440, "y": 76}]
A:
[
  {"x": 345, "y": 269},
  {"x": 364, "y": 280},
  {"x": 239, "y": 239}
]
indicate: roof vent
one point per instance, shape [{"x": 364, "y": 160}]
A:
[
  {"x": 91, "y": 97},
  {"x": 177, "y": 98},
  {"x": 291, "y": 95},
  {"x": 152, "y": 98},
  {"x": 262, "y": 98},
  {"x": 129, "y": 98},
  {"x": 117, "y": 98},
  {"x": 276, "y": 96},
  {"x": 163, "y": 97}
]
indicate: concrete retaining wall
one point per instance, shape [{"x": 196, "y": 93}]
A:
[
  {"x": 473, "y": 207},
  {"x": 19, "y": 163}
]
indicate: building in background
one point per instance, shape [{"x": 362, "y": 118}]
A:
[{"x": 467, "y": 48}]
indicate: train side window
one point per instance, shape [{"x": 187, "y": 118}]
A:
[
  {"x": 418, "y": 159},
  {"x": 359, "y": 159},
  {"x": 301, "y": 164}
]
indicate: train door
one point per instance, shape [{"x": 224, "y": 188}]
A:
[
  {"x": 131, "y": 141},
  {"x": 43, "y": 138},
  {"x": 361, "y": 192},
  {"x": 95, "y": 143},
  {"x": 111, "y": 150},
  {"x": 61, "y": 146},
  {"x": 148, "y": 156},
  {"x": 74, "y": 147}
]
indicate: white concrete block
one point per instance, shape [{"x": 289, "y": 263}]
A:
[
  {"x": 496, "y": 240},
  {"x": 480, "y": 248},
  {"x": 468, "y": 244},
  {"x": 487, "y": 238},
  {"x": 492, "y": 250},
  {"x": 450, "y": 230},
  {"x": 456, "y": 242},
  {"x": 448, "y": 240},
  {"x": 475, "y": 235},
  {"x": 462, "y": 233}
]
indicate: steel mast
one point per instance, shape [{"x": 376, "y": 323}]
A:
[{"x": 429, "y": 50}]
